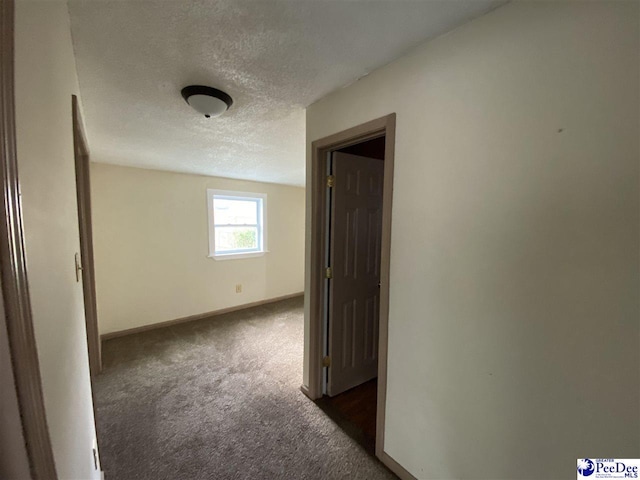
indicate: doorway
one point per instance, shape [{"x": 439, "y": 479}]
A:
[
  {"x": 349, "y": 291},
  {"x": 351, "y": 322},
  {"x": 353, "y": 239}
]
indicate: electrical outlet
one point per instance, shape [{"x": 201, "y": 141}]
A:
[{"x": 239, "y": 288}]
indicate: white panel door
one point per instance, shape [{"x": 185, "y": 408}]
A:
[{"x": 354, "y": 289}]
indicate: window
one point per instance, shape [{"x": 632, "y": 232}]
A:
[{"x": 237, "y": 224}]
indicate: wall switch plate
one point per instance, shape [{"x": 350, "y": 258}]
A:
[{"x": 239, "y": 288}]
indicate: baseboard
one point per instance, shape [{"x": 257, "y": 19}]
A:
[
  {"x": 191, "y": 318},
  {"x": 305, "y": 390},
  {"x": 395, "y": 467}
]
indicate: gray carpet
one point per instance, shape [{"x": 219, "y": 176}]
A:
[{"x": 220, "y": 399}]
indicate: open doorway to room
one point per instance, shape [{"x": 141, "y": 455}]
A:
[
  {"x": 350, "y": 326},
  {"x": 352, "y": 181}
]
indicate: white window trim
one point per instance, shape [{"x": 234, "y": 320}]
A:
[{"x": 211, "y": 193}]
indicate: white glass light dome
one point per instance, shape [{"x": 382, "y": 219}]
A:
[{"x": 208, "y": 101}]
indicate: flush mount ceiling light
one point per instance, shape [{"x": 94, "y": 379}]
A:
[{"x": 209, "y": 101}]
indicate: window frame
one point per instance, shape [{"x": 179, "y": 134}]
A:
[{"x": 261, "y": 201}]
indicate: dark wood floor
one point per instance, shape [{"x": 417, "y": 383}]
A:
[{"x": 355, "y": 412}]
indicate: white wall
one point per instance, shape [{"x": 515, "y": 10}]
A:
[
  {"x": 45, "y": 80},
  {"x": 514, "y": 322},
  {"x": 151, "y": 247}
]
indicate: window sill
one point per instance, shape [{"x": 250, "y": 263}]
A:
[{"x": 234, "y": 256}]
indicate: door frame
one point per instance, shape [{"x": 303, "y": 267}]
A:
[
  {"x": 13, "y": 270},
  {"x": 383, "y": 126},
  {"x": 83, "y": 193}
]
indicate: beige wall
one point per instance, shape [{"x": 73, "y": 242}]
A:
[
  {"x": 151, "y": 247},
  {"x": 45, "y": 80},
  {"x": 514, "y": 313}
]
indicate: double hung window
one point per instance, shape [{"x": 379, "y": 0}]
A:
[{"x": 237, "y": 224}]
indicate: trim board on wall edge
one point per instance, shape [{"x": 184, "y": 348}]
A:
[
  {"x": 199, "y": 316},
  {"x": 396, "y": 468}
]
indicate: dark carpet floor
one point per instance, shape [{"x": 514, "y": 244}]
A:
[{"x": 220, "y": 399}]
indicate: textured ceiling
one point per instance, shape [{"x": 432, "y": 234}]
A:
[{"x": 274, "y": 57}]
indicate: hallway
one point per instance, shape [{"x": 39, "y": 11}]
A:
[{"x": 219, "y": 399}]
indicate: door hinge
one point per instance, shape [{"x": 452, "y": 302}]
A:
[
  {"x": 328, "y": 273},
  {"x": 326, "y": 361},
  {"x": 78, "y": 267},
  {"x": 331, "y": 181}
]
